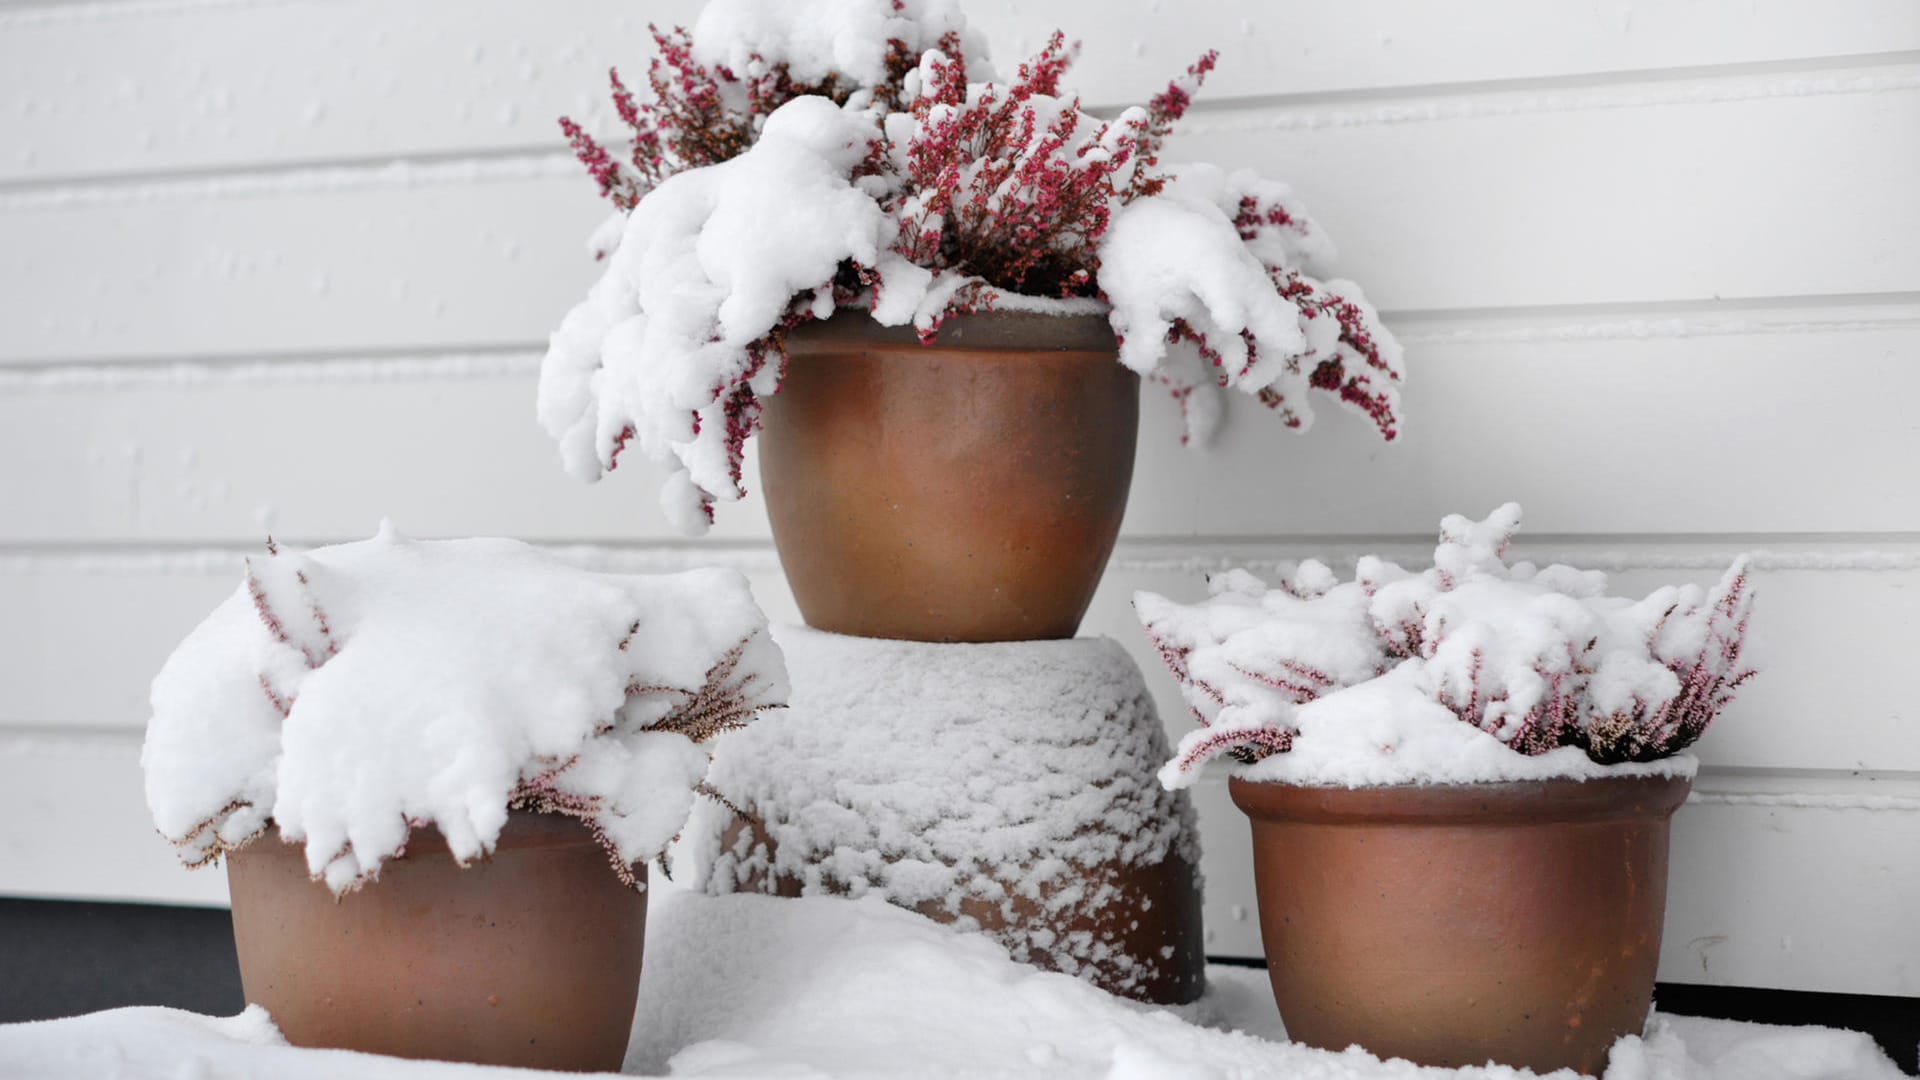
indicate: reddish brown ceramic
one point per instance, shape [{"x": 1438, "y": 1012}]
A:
[
  {"x": 1453, "y": 925},
  {"x": 965, "y": 491},
  {"x": 530, "y": 957},
  {"x": 1149, "y": 923}
]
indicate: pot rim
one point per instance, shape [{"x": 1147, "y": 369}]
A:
[
  {"x": 524, "y": 830},
  {"x": 1497, "y": 802},
  {"x": 985, "y": 331}
]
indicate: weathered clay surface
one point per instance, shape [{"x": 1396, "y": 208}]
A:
[
  {"x": 966, "y": 491},
  {"x": 1516, "y": 922},
  {"x": 530, "y": 957}
]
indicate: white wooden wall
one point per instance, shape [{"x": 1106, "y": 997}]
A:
[{"x": 288, "y": 265}]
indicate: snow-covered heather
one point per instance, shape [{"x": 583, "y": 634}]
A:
[
  {"x": 751, "y": 986},
  {"x": 1474, "y": 670},
  {"x": 947, "y": 775},
  {"x": 906, "y": 179},
  {"x": 353, "y": 693}
]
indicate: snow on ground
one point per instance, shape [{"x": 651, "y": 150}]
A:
[{"x": 755, "y": 986}]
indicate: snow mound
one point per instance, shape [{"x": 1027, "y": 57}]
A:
[
  {"x": 985, "y": 783},
  {"x": 844, "y": 38},
  {"x": 353, "y": 693},
  {"x": 756, "y": 986},
  {"x": 1474, "y": 670}
]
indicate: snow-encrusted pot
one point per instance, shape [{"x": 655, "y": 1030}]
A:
[
  {"x": 969, "y": 490},
  {"x": 1007, "y": 787},
  {"x": 530, "y": 957},
  {"x": 1517, "y": 922}
]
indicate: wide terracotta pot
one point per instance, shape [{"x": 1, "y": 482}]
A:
[
  {"x": 530, "y": 957},
  {"x": 1456, "y": 924},
  {"x": 970, "y": 490}
]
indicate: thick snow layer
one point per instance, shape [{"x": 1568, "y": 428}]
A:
[
  {"x": 821, "y": 987},
  {"x": 707, "y": 265},
  {"x": 353, "y": 693},
  {"x": 949, "y": 774},
  {"x": 847, "y": 38},
  {"x": 1474, "y": 670}
]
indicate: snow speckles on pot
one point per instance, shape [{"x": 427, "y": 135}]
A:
[
  {"x": 1012, "y": 781},
  {"x": 355, "y": 692}
]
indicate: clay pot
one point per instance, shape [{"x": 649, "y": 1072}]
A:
[
  {"x": 970, "y": 490},
  {"x": 530, "y": 957},
  {"x": 1007, "y": 787},
  {"x": 1456, "y": 924}
]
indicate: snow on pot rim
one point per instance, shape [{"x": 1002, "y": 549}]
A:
[
  {"x": 1474, "y": 671},
  {"x": 355, "y": 692}
]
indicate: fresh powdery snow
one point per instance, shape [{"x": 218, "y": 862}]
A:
[
  {"x": 954, "y": 777},
  {"x": 1473, "y": 670},
  {"x": 756, "y": 986},
  {"x": 846, "y": 38},
  {"x": 353, "y": 693}
]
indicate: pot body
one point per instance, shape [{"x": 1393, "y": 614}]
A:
[
  {"x": 1148, "y": 923},
  {"x": 1456, "y": 924},
  {"x": 969, "y": 490},
  {"x": 530, "y": 957}
]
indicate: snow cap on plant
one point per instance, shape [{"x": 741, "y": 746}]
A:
[
  {"x": 801, "y": 160},
  {"x": 1477, "y": 668},
  {"x": 354, "y": 693}
]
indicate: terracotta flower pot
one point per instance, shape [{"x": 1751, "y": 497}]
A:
[
  {"x": 530, "y": 957},
  {"x": 966, "y": 491},
  {"x": 1457, "y": 924}
]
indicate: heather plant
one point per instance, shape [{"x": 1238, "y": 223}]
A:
[
  {"x": 353, "y": 694},
  {"x": 1538, "y": 658},
  {"x": 798, "y": 160}
]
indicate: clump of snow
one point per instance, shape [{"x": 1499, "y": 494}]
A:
[
  {"x": 821, "y": 987},
  {"x": 845, "y": 38},
  {"x": 1473, "y": 670},
  {"x": 805, "y": 159},
  {"x": 353, "y": 693},
  {"x": 664, "y": 348},
  {"x": 952, "y": 778}
]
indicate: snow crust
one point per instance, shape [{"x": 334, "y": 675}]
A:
[
  {"x": 847, "y": 38},
  {"x": 354, "y": 693},
  {"x": 1442, "y": 676},
  {"x": 947, "y": 776},
  {"x": 823, "y": 987}
]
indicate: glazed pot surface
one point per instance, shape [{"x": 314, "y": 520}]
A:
[
  {"x": 967, "y": 491},
  {"x": 1456, "y": 924},
  {"x": 530, "y": 957}
]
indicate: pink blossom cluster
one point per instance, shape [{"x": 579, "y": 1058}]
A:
[{"x": 1538, "y": 658}]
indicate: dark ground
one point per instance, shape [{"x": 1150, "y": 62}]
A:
[{"x": 61, "y": 958}]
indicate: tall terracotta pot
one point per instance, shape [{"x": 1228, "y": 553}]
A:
[
  {"x": 970, "y": 490},
  {"x": 530, "y": 957},
  {"x": 1457, "y": 924}
]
